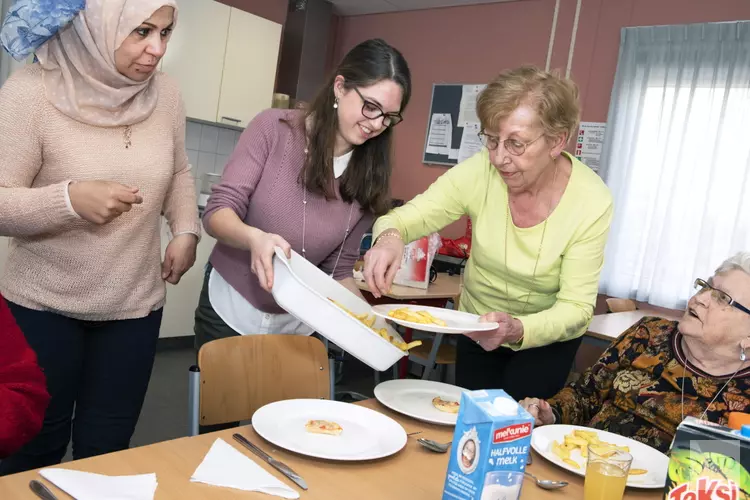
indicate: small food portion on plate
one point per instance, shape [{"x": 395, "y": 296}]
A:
[
  {"x": 323, "y": 427},
  {"x": 383, "y": 332},
  {"x": 445, "y": 405},
  {"x": 421, "y": 317},
  {"x": 580, "y": 440}
]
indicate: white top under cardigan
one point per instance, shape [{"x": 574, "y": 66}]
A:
[{"x": 244, "y": 318}]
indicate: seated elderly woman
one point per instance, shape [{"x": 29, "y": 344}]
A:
[{"x": 658, "y": 372}]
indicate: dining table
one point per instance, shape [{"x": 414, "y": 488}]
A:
[
  {"x": 414, "y": 473},
  {"x": 609, "y": 326}
]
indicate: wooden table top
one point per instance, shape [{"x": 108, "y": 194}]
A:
[
  {"x": 414, "y": 473},
  {"x": 609, "y": 326},
  {"x": 446, "y": 286}
]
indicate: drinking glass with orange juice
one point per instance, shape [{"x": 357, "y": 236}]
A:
[{"x": 606, "y": 473}]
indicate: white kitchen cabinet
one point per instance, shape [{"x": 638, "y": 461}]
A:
[
  {"x": 182, "y": 299},
  {"x": 195, "y": 55},
  {"x": 249, "y": 75}
]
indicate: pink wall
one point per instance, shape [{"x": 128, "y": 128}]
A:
[
  {"x": 471, "y": 44},
  {"x": 273, "y": 10}
]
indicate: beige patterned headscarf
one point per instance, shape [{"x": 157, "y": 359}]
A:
[{"x": 80, "y": 76}]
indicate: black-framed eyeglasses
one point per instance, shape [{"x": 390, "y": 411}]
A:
[
  {"x": 513, "y": 146},
  {"x": 719, "y": 296},
  {"x": 373, "y": 111}
]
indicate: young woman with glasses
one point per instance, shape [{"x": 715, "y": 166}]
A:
[
  {"x": 540, "y": 223},
  {"x": 310, "y": 180}
]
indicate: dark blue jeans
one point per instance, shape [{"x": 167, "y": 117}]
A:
[{"x": 98, "y": 371}]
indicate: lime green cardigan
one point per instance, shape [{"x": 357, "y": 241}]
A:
[{"x": 564, "y": 292}]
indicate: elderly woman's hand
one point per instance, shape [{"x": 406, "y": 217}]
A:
[
  {"x": 539, "y": 409},
  {"x": 382, "y": 262},
  {"x": 509, "y": 331}
]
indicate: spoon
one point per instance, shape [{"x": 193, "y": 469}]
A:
[
  {"x": 434, "y": 445},
  {"x": 547, "y": 484}
]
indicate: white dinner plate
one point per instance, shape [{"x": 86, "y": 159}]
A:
[
  {"x": 366, "y": 434},
  {"x": 458, "y": 321},
  {"x": 644, "y": 456},
  {"x": 414, "y": 399}
]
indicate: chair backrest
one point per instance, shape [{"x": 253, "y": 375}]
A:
[
  {"x": 621, "y": 305},
  {"x": 238, "y": 375}
]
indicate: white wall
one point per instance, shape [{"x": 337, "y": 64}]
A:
[
  {"x": 4, "y": 243},
  {"x": 183, "y": 299}
]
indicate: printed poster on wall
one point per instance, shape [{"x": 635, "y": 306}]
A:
[
  {"x": 440, "y": 134},
  {"x": 470, "y": 142},
  {"x": 467, "y": 111},
  {"x": 589, "y": 143}
]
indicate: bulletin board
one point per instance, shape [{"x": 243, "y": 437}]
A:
[{"x": 452, "y": 124}]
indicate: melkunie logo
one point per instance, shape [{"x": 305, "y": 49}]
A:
[
  {"x": 511, "y": 433},
  {"x": 706, "y": 489}
]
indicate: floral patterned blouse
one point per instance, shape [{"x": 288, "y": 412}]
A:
[{"x": 635, "y": 388}]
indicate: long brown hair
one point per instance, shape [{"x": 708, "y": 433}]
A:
[{"x": 367, "y": 177}]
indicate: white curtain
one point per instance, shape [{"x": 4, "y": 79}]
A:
[{"x": 677, "y": 158}]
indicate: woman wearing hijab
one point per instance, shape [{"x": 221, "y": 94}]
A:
[{"x": 92, "y": 148}]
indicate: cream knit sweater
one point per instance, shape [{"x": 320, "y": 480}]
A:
[{"x": 59, "y": 262}]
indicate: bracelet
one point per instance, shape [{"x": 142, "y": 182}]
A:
[{"x": 390, "y": 233}]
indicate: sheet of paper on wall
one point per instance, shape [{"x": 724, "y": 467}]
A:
[
  {"x": 468, "y": 109},
  {"x": 470, "y": 143},
  {"x": 589, "y": 143},
  {"x": 440, "y": 135}
]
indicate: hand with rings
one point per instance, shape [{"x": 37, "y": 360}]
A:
[{"x": 540, "y": 410}]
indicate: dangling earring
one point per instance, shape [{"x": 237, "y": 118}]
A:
[
  {"x": 336, "y": 103},
  {"x": 743, "y": 357}
]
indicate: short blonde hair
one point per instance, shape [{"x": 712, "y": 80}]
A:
[
  {"x": 555, "y": 100},
  {"x": 739, "y": 261}
]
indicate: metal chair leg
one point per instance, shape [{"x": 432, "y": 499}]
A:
[
  {"x": 194, "y": 386},
  {"x": 432, "y": 356}
]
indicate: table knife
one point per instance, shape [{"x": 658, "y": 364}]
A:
[
  {"x": 279, "y": 466},
  {"x": 41, "y": 490}
]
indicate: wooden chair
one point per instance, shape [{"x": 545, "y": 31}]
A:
[
  {"x": 236, "y": 376},
  {"x": 433, "y": 354},
  {"x": 621, "y": 305}
]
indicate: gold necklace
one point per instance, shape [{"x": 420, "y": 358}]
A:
[
  {"x": 126, "y": 136},
  {"x": 539, "y": 252}
]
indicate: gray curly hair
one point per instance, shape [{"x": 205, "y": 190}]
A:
[{"x": 739, "y": 261}]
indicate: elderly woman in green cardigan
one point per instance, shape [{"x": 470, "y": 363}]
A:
[{"x": 540, "y": 224}]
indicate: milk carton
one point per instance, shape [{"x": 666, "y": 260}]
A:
[{"x": 490, "y": 448}]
